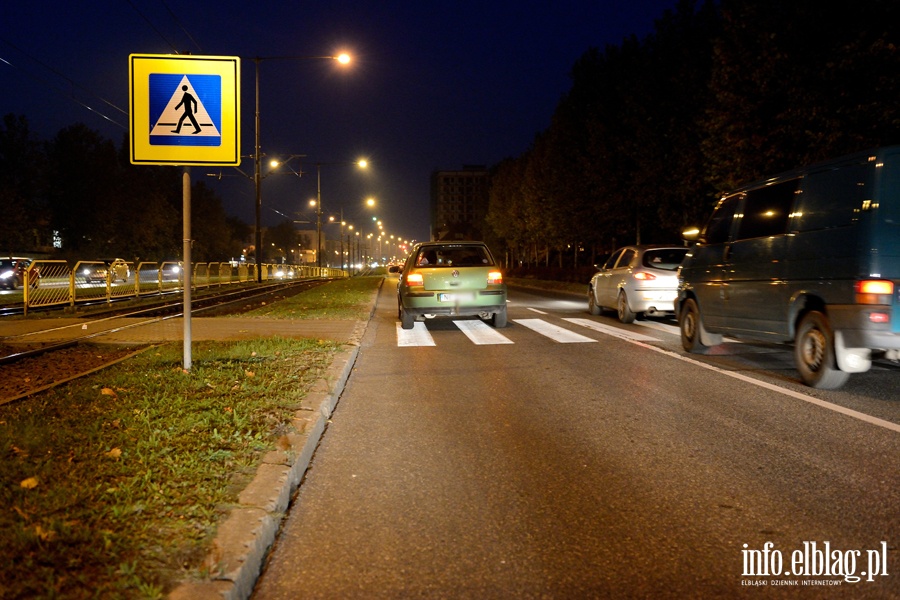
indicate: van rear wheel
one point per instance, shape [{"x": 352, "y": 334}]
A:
[
  {"x": 814, "y": 353},
  {"x": 690, "y": 325}
]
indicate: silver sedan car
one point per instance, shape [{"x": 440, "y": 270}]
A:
[{"x": 637, "y": 280}]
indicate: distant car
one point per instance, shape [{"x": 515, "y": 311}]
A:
[
  {"x": 171, "y": 271},
  {"x": 117, "y": 269},
  {"x": 13, "y": 269},
  {"x": 283, "y": 272},
  {"x": 637, "y": 280},
  {"x": 451, "y": 279}
]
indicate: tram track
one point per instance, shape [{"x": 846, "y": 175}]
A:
[{"x": 29, "y": 368}]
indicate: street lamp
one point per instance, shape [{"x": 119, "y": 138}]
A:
[
  {"x": 362, "y": 164},
  {"x": 257, "y": 179}
]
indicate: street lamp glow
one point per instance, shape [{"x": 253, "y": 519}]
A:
[
  {"x": 370, "y": 201},
  {"x": 343, "y": 58},
  {"x": 363, "y": 163}
]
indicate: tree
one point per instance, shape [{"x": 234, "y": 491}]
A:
[
  {"x": 22, "y": 188},
  {"x": 280, "y": 240},
  {"x": 797, "y": 82},
  {"x": 82, "y": 171}
]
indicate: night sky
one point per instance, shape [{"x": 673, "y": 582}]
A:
[{"x": 432, "y": 85}]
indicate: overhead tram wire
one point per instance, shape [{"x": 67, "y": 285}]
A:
[
  {"x": 153, "y": 27},
  {"x": 66, "y": 94},
  {"x": 46, "y": 82},
  {"x": 180, "y": 26}
]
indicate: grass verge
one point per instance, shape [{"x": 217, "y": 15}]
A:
[
  {"x": 112, "y": 486},
  {"x": 342, "y": 299}
]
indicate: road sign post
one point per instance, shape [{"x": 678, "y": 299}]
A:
[{"x": 185, "y": 111}]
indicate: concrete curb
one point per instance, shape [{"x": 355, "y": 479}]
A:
[
  {"x": 246, "y": 535},
  {"x": 243, "y": 539}
]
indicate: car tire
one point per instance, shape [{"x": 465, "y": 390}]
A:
[
  {"x": 407, "y": 320},
  {"x": 593, "y": 307},
  {"x": 626, "y": 315},
  {"x": 498, "y": 319},
  {"x": 691, "y": 326},
  {"x": 814, "y": 353}
]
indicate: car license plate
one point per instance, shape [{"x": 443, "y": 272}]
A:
[{"x": 455, "y": 297}]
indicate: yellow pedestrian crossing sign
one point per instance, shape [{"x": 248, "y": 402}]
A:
[{"x": 185, "y": 110}]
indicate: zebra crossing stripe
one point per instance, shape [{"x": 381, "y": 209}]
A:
[
  {"x": 417, "y": 336},
  {"x": 659, "y": 326},
  {"x": 481, "y": 333},
  {"x": 554, "y": 332},
  {"x": 613, "y": 331}
]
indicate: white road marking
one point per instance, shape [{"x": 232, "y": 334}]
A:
[
  {"x": 784, "y": 391},
  {"x": 555, "y": 333},
  {"x": 481, "y": 333},
  {"x": 417, "y": 336},
  {"x": 672, "y": 329},
  {"x": 624, "y": 334},
  {"x": 540, "y": 312}
]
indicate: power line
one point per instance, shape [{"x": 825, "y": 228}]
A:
[
  {"x": 153, "y": 27},
  {"x": 67, "y": 94},
  {"x": 180, "y": 26}
]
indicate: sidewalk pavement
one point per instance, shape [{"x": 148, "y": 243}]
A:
[{"x": 244, "y": 537}]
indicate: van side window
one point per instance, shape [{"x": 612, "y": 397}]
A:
[
  {"x": 833, "y": 198},
  {"x": 718, "y": 229},
  {"x": 767, "y": 209}
]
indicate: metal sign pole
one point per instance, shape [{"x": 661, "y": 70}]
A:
[{"x": 186, "y": 263}]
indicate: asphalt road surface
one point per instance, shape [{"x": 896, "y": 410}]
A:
[{"x": 575, "y": 457}]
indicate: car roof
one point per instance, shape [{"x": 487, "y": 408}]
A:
[
  {"x": 451, "y": 243},
  {"x": 654, "y": 247}
]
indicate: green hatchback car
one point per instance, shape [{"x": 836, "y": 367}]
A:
[{"x": 451, "y": 279}]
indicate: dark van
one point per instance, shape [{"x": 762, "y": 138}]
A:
[{"x": 810, "y": 256}]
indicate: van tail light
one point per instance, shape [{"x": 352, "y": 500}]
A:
[
  {"x": 495, "y": 278},
  {"x": 874, "y": 291},
  {"x": 415, "y": 280},
  {"x": 643, "y": 276}
]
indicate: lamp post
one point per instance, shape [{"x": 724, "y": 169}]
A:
[
  {"x": 257, "y": 179},
  {"x": 362, "y": 164}
]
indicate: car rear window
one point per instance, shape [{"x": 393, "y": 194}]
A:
[
  {"x": 454, "y": 256},
  {"x": 664, "y": 258}
]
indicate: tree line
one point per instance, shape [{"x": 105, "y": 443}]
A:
[
  {"x": 718, "y": 94},
  {"x": 80, "y": 194}
]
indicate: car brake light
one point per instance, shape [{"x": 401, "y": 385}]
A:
[
  {"x": 644, "y": 276},
  {"x": 415, "y": 279},
  {"x": 874, "y": 291},
  {"x": 495, "y": 278}
]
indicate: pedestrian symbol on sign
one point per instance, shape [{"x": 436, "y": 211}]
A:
[{"x": 177, "y": 101}]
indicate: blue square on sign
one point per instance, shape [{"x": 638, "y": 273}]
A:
[{"x": 185, "y": 110}]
